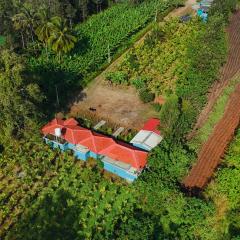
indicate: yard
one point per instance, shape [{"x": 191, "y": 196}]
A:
[{"x": 119, "y": 105}]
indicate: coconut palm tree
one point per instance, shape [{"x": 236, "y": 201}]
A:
[
  {"x": 44, "y": 29},
  {"x": 61, "y": 39},
  {"x": 25, "y": 21}
]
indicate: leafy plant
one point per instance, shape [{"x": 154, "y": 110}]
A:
[
  {"x": 146, "y": 96},
  {"x": 117, "y": 77}
]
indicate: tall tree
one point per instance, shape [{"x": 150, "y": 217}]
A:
[
  {"x": 44, "y": 29},
  {"x": 61, "y": 39},
  {"x": 18, "y": 97},
  {"x": 25, "y": 21}
]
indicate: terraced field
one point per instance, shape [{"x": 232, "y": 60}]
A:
[
  {"x": 231, "y": 67},
  {"x": 214, "y": 149}
]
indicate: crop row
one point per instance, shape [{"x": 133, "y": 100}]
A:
[{"x": 104, "y": 32}]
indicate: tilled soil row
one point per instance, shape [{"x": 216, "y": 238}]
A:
[
  {"x": 213, "y": 150},
  {"x": 229, "y": 70}
]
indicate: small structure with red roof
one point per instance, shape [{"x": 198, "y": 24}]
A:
[
  {"x": 149, "y": 136},
  {"x": 118, "y": 157}
]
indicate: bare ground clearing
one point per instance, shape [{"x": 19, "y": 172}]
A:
[{"x": 120, "y": 105}]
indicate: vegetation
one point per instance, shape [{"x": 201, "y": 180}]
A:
[
  {"x": 182, "y": 60},
  {"x": 174, "y": 62},
  {"x": 216, "y": 114},
  {"x": 46, "y": 194},
  {"x": 19, "y": 97},
  {"x": 224, "y": 190},
  {"x": 70, "y": 54},
  {"x": 98, "y": 41}
]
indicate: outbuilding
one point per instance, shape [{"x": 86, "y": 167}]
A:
[{"x": 149, "y": 136}]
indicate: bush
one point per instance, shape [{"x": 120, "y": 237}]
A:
[
  {"x": 155, "y": 36},
  {"x": 132, "y": 61},
  {"x": 117, "y": 77},
  {"x": 146, "y": 96},
  {"x": 140, "y": 82}
]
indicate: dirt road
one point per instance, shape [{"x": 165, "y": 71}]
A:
[{"x": 120, "y": 105}]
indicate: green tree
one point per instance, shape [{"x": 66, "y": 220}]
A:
[
  {"x": 44, "y": 29},
  {"x": 61, "y": 39},
  {"x": 25, "y": 21},
  {"x": 18, "y": 97}
]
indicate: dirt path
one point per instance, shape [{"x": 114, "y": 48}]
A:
[
  {"x": 213, "y": 150},
  {"x": 230, "y": 69},
  {"x": 120, "y": 105}
]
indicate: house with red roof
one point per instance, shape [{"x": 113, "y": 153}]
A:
[{"x": 118, "y": 157}]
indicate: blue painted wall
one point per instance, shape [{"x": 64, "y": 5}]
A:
[
  {"x": 94, "y": 155},
  {"x": 81, "y": 156},
  {"x": 84, "y": 156},
  {"x": 120, "y": 172},
  {"x": 71, "y": 146},
  {"x": 54, "y": 144}
]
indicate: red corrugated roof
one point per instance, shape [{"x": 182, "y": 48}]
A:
[
  {"x": 126, "y": 154},
  {"x": 97, "y": 143},
  {"x": 74, "y": 134},
  {"x": 71, "y": 121},
  {"x": 50, "y": 127},
  {"x": 152, "y": 125}
]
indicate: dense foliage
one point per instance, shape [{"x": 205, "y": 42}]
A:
[
  {"x": 97, "y": 38},
  {"x": 181, "y": 59},
  {"x": 67, "y": 198},
  {"x": 19, "y": 97},
  {"x": 73, "y": 11},
  {"x": 225, "y": 189},
  {"x": 46, "y": 194}
]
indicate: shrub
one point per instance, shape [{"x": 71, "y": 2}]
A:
[
  {"x": 146, "y": 96},
  {"x": 117, "y": 77},
  {"x": 155, "y": 36},
  {"x": 132, "y": 61},
  {"x": 140, "y": 82}
]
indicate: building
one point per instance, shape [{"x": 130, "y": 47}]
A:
[
  {"x": 118, "y": 157},
  {"x": 149, "y": 136},
  {"x": 202, "y": 9}
]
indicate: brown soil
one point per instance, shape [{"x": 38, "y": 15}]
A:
[
  {"x": 230, "y": 69},
  {"x": 213, "y": 150},
  {"x": 117, "y": 105},
  {"x": 120, "y": 105}
]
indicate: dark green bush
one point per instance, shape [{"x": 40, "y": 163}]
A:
[
  {"x": 146, "y": 96},
  {"x": 155, "y": 36},
  {"x": 140, "y": 82},
  {"x": 157, "y": 107}
]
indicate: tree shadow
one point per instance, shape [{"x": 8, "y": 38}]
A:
[
  {"x": 60, "y": 89},
  {"x": 82, "y": 46}
]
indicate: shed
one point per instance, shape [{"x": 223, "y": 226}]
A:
[
  {"x": 146, "y": 140},
  {"x": 149, "y": 136}
]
